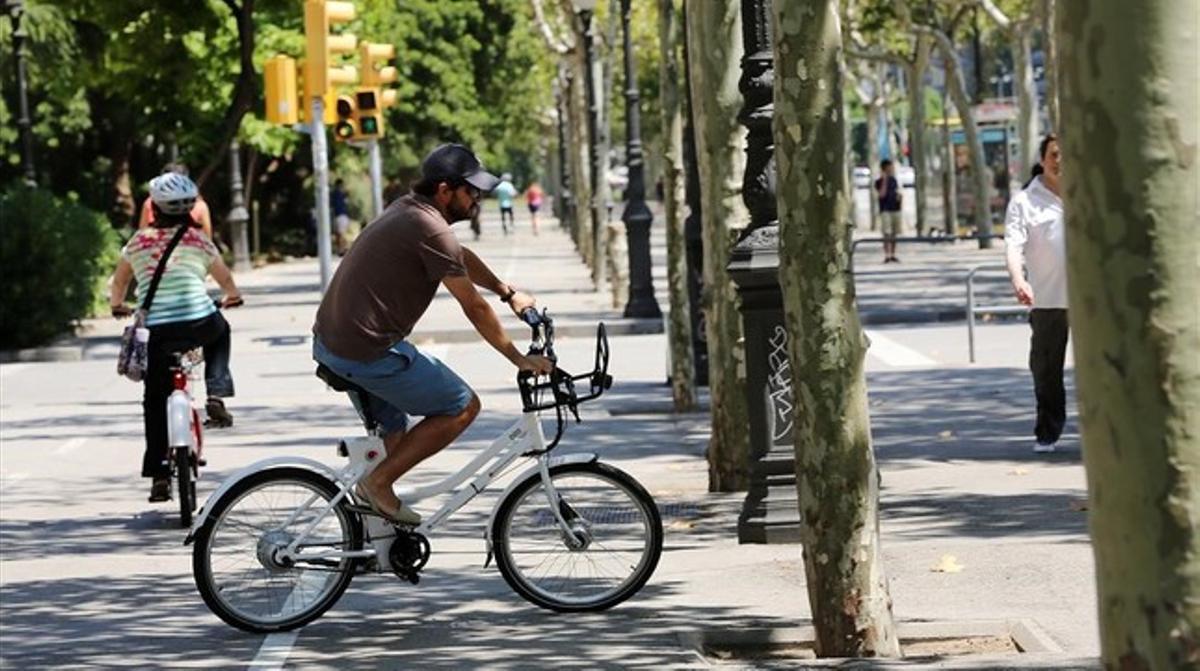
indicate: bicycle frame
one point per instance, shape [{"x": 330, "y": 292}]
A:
[{"x": 524, "y": 438}]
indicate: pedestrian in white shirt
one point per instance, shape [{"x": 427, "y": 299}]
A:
[{"x": 1034, "y": 247}]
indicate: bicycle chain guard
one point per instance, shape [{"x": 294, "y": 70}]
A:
[{"x": 408, "y": 555}]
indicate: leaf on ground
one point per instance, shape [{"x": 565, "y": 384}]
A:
[
  {"x": 681, "y": 525},
  {"x": 947, "y": 564},
  {"x": 1079, "y": 505},
  {"x": 946, "y": 435},
  {"x": 1019, "y": 471}
]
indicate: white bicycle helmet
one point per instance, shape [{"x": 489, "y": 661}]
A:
[{"x": 173, "y": 193}]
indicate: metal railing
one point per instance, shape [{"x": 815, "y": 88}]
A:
[
  {"x": 973, "y": 309},
  {"x": 928, "y": 239}
]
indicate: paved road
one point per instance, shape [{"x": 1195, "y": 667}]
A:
[{"x": 92, "y": 575}]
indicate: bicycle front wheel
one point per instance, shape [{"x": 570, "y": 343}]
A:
[
  {"x": 610, "y": 549},
  {"x": 236, "y": 559}
]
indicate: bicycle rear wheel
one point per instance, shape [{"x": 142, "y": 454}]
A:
[
  {"x": 185, "y": 484},
  {"x": 235, "y": 559},
  {"x": 614, "y": 545}
]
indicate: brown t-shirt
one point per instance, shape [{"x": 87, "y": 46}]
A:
[{"x": 387, "y": 280}]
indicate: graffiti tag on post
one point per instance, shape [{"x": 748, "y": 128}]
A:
[{"x": 779, "y": 388}]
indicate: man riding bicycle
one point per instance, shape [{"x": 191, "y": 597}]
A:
[{"x": 381, "y": 289}]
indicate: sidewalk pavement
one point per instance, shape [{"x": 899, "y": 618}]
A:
[{"x": 958, "y": 482}]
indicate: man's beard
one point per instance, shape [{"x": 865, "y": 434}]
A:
[{"x": 462, "y": 214}]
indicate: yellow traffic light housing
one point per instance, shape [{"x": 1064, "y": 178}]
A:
[
  {"x": 279, "y": 84},
  {"x": 346, "y": 126},
  {"x": 320, "y": 73},
  {"x": 370, "y": 55},
  {"x": 305, "y": 104},
  {"x": 370, "y": 113}
]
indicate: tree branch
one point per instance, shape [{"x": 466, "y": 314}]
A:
[
  {"x": 995, "y": 13},
  {"x": 244, "y": 91},
  {"x": 237, "y": 11},
  {"x": 558, "y": 46},
  {"x": 877, "y": 56}
]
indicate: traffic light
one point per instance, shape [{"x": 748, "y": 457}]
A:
[
  {"x": 370, "y": 54},
  {"x": 320, "y": 74},
  {"x": 279, "y": 84},
  {"x": 370, "y": 116},
  {"x": 346, "y": 126},
  {"x": 305, "y": 104}
]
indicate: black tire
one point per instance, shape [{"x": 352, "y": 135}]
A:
[
  {"x": 613, "y": 505},
  {"x": 184, "y": 484},
  {"x": 222, "y": 592}
]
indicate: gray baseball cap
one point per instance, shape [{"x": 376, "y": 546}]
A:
[{"x": 456, "y": 163}]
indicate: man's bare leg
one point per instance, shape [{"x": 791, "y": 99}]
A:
[{"x": 406, "y": 449}]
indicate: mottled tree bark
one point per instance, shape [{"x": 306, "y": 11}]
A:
[
  {"x": 1130, "y": 78},
  {"x": 581, "y": 168},
  {"x": 915, "y": 72},
  {"x": 1046, "y": 13},
  {"x": 679, "y": 324},
  {"x": 837, "y": 479},
  {"x": 1027, "y": 117},
  {"x": 715, "y": 49},
  {"x": 980, "y": 184}
]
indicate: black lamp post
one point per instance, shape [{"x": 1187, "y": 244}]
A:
[
  {"x": 238, "y": 215},
  {"x": 637, "y": 216},
  {"x": 585, "y": 9},
  {"x": 770, "y": 513},
  {"x": 562, "y": 203},
  {"x": 16, "y": 9}
]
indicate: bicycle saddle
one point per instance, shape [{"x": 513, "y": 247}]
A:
[{"x": 335, "y": 381}]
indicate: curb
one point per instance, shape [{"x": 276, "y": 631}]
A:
[{"x": 72, "y": 352}]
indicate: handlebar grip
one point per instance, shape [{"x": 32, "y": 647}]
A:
[{"x": 531, "y": 317}]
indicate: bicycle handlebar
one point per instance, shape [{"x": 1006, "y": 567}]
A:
[{"x": 560, "y": 384}]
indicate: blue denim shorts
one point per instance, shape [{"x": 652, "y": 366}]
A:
[{"x": 402, "y": 382}]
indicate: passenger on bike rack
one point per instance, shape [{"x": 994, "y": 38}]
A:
[
  {"x": 181, "y": 317},
  {"x": 379, "y": 292}
]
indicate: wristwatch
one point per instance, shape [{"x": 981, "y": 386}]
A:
[{"x": 512, "y": 291}]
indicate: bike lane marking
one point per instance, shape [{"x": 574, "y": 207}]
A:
[
  {"x": 70, "y": 446},
  {"x": 275, "y": 650},
  {"x": 893, "y": 353},
  {"x": 10, "y": 368},
  {"x": 276, "y": 647}
]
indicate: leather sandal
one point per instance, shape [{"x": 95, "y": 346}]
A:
[{"x": 402, "y": 515}]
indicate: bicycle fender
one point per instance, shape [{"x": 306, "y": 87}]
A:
[
  {"x": 179, "y": 420},
  {"x": 303, "y": 462},
  {"x": 531, "y": 472}
]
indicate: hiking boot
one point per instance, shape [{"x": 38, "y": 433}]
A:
[
  {"x": 160, "y": 490},
  {"x": 218, "y": 416}
]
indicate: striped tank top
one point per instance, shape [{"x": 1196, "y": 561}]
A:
[{"x": 181, "y": 295}]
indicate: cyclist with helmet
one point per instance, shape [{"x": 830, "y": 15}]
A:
[
  {"x": 181, "y": 317},
  {"x": 199, "y": 212}
]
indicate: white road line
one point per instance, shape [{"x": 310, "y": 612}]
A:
[
  {"x": 10, "y": 368},
  {"x": 276, "y": 647},
  {"x": 512, "y": 255},
  {"x": 13, "y": 477},
  {"x": 275, "y": 650},
  {"x": 893, "y": 353},
  {"x": 70, "y": 445}
]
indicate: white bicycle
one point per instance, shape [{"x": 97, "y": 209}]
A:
[{"x": 278, "y": 543}]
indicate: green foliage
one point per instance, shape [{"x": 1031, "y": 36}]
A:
[
  {"x": 119, "y": 87},
  {"x": 55, "y": 254}
]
